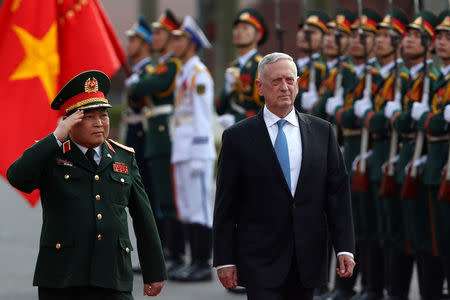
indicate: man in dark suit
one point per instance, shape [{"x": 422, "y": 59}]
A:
[
  {"x": 280, "y": 193},
  {"x": 86, "y": 182}
]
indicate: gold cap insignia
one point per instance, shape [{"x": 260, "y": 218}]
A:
[
  {"x": 313, "y": 19},
  {"x": 340, "y": 18},
  {"x": 91, "y": 85},
  {"x": 244, "y": 16},
  {"x": 387, "y": 19}
]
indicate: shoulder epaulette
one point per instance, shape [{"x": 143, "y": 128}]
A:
[
  {"x": 199, "y": 69},
  {"x": 433, "y": 76},
  {"x": 129, "y": 149},
  {"x": 258, "y": 58},
  {"x": 405, "y": 75},
  {"x": 348, "y": 66},
  {"x": 175, "y": 60},
  {"x": 149, "y": 69}
]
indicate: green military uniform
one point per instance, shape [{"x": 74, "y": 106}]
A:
[
  {"x": 436, "y": 127},
  {"x": 319, "y": 20},
  {"x": 84, "y": 238},
  {"x": 160, "y": 85},
  {"x": 244, "y": 101},
  {"x": 417, "y": 211}
]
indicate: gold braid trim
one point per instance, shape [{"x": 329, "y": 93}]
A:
[{"x": 87, "y": 101}]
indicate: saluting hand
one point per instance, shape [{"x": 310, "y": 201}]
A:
[
  {"x": 346, "y": 266},
  {"x": 153, "y": 289},
  {"x": 66, "y": 124}
]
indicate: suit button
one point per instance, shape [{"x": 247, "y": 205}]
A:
[
  {"x": 139, "y": 133},
  {"x": 99, "y": 237},
  {"x": 127, "y": 250},
  {"x": 58, "y": 246},
  {"x": 161, "y": 128},
  {"x": 66, "y": 176},
  {"x": 99, "y": 216},
  {"x": 122, "y": 180},
  {"x": 97, "y": 197},
  {"x": 96, "y": 177}
]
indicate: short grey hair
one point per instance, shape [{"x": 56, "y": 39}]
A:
[{"x": 271, "y": 59}]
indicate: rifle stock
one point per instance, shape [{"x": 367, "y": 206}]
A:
[{"x": 444, "y": 189}]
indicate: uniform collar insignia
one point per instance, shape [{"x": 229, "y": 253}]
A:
[{"x": 66, "y": 146}]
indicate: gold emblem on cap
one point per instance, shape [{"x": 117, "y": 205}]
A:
[
  {"x": 244, "y": 16},
  {"x": 387, "y": 19},
  {"x": 313, "y": 18},
  {"x": 91, "y": 85},
  {"x": 418, "y": 21},
  {"x": 340, "y": 18},
  {"x": 364, "y": 19},
  {"x": 446, "y": 21}
]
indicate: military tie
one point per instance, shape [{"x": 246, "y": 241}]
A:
[
  {"x": 281, "y": 149},
  {"x": 90, "y": 156}
]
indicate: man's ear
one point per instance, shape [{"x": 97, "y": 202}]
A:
[{"x": 258, "y": 87}]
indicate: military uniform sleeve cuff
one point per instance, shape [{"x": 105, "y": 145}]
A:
[
  {"x": 224, "y": 266},
  {"x": 59, "y": 143},
  {"x": 346, "y": 253}
]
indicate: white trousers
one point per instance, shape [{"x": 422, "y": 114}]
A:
[{"x": 193, "y": 192}]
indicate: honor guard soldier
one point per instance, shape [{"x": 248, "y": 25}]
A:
[
  {"x": 159, "y": 87},
  {"x": 310, "y": 67},
  {"x": 193, "y": 151},
  {"x": 239, "y": 98},
  {"x": 138, "y": 51},
  {"x": 394, "y": 85},
  {"x": 417, "y": 44},
  {"x": 86, "y": 181},
  {"x": 435, "y": 124},
  {"x": 335, "y": 46}
]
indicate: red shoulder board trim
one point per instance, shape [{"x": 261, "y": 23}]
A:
[
  {"x": 66, "y": 146},
  {"x": 129, "y": 149},
  {"x": 110, "y": 147},
  {"x": 161, "y": 69}
]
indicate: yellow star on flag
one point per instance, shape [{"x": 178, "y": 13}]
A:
[{"x": 41, "y": 59}]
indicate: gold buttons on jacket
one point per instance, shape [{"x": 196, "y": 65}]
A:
[
  {"x": 66, "y": 176},
  {"x": 99, "y": 237},
  {"x": 109, "y": 155},
  {"x": 96, "y": 177},
  {"x": 99, "y": 216},
  {"x": 58, "y": 246},
  {"x": 161, "y": 128},
  {"x": 122, "y": 180},
  {"x": 97, "y": 197},
  {"x": 127, "y": 250}
]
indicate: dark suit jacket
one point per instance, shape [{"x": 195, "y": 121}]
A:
[
  {"x": 259, "y": 226},
  {"x": 80, "y": 203}
]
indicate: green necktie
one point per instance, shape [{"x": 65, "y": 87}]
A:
[{"x": 90, "y": 156}]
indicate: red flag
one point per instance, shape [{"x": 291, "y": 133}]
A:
[{"x": 42, "y": 45}]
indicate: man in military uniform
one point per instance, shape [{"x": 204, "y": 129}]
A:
[
  {"x": 415, "y": 103},
  {"x": 193, "y": 152},
  {"x": 138, "y": 51},
  {"x": 85, "y": 183},
  {"x": 239, "y": 98},
  {"x": 394, "y": 84},
  {"x": 159, "y": 86},
  {"x": 336, "y": 47},
  {"x": 435, "y": 124},
  {"x": 309, "y": 44}
]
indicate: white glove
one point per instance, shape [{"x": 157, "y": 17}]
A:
[
  {"x": 131, "y": 80},
  {"x": 418, "y": 109},
  {"x": 391, "y": 108},
  {"x": 447, "y": 113},
  {"x": 309, "y": 98},
  {"x": 361, "y": 106},
  {"x": 230, "y": 80},
  {"x": 196, "y": 167},
  {"x": 226, "y": 120}
]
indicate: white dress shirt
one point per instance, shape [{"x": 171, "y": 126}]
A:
[{"x": 292, "y": 131}]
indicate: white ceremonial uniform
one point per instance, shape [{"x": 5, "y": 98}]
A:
[{"x": 193, "y": 150}]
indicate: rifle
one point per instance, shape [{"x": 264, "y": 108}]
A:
[
  {"x": 312, "y": 69},
  {"x": 411, "y": 185},
  {"x": 360, "y": 182},
  {"x": 280, "y": 31},
  {"x": 388, "y": 182}
]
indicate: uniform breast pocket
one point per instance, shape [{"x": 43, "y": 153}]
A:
[
  {"x": 66, "y": 180},
  {"x": 119, "y": 188}
]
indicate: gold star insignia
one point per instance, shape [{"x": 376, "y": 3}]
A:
[{"x": 41, "y": 59}]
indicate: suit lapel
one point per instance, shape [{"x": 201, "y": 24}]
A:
[
  {"x": 305, "y": 134},
  {"x": 265, "y": 148},
  {"x": 107, "y": 156},
  {"x": 77, "y": 157}
]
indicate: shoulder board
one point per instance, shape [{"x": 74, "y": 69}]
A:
[
  {"x": 320, "y": 66},
  {"x": 199, "y": 69},
  {"x": 258, "y": 58},
  {"x": 404, "y": 75},
  {"x": 129, "y": 149},
  {"x": 433, "y": 76},
  {"x": 348, "y": 66},
  {"x": 149, "y": 69}
]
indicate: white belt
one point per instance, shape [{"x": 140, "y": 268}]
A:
[
  {"x": 135, "y": 118},
  {"x": 165, "y": 109},
  {"x": 184, "y": 120}
]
